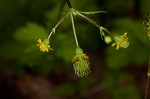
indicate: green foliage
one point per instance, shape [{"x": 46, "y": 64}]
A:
[
  {"x": 31, "y": 33},
  {"x": 64, "y": 47}
]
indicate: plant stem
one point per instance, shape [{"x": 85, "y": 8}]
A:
[
  {"x": 60, "y": 21},
  {"x": 90, "y": 20},
  {"x": 73, "y": 27},
  {"x": 108, "y": 32},
  {"x": 69, "y": 4},
  {"x": 148, "y": 77},
  {"x": 94, "y": 23}
]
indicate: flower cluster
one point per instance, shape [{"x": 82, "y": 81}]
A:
[{"x": 81, "y": 63}]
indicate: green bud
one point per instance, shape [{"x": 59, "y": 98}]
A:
[{"x": 108, "y": 39}]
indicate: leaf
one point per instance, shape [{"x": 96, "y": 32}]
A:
[
  {"x": 93, "y": 12},
  {"x": 31, "y": 33}
]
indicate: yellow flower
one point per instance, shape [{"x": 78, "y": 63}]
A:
[
  {"x": 121, "y": 41},
  {"x": 44, "y": 46}
]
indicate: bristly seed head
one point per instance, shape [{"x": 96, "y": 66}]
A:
[{"x": 81, "y": 63}]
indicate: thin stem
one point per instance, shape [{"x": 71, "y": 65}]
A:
[
  {"x": 51, "y": 33},
  {"x": 69, "y": 4},
  {"x": 108, "y": 32},
  {"x": 148, "y": 77},
  {"x": 74, "y": 32},
  {"x": 59, "y": 22},
  {"x": 94, "y": 23},
  {"x": 90, "y": 20}
]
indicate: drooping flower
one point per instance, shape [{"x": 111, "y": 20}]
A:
[
  {"x": 44, "y": 46},
  {"x": 121, "y": 41},
  {"x": 81, "y": 63}
]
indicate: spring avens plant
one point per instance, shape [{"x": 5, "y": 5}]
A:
[{"x": 80, "y": 60}]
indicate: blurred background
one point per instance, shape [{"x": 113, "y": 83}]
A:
[{"x": 28, "y": 73}]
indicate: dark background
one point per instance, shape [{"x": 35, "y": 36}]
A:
[{"x": 28, "y": 73}]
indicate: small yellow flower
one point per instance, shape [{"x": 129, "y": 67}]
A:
[
  {"x": 44, "y": 46},
  {"x": 121, "y": 41}
]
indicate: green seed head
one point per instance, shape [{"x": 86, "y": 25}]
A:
[
  {"x": 81, "y": 63},
  {"x": 82, "y": 68}
]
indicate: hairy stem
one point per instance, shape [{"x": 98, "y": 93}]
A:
[
  {"x": 148, "y": 77},
  {"x": 74, "y": 32}
]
